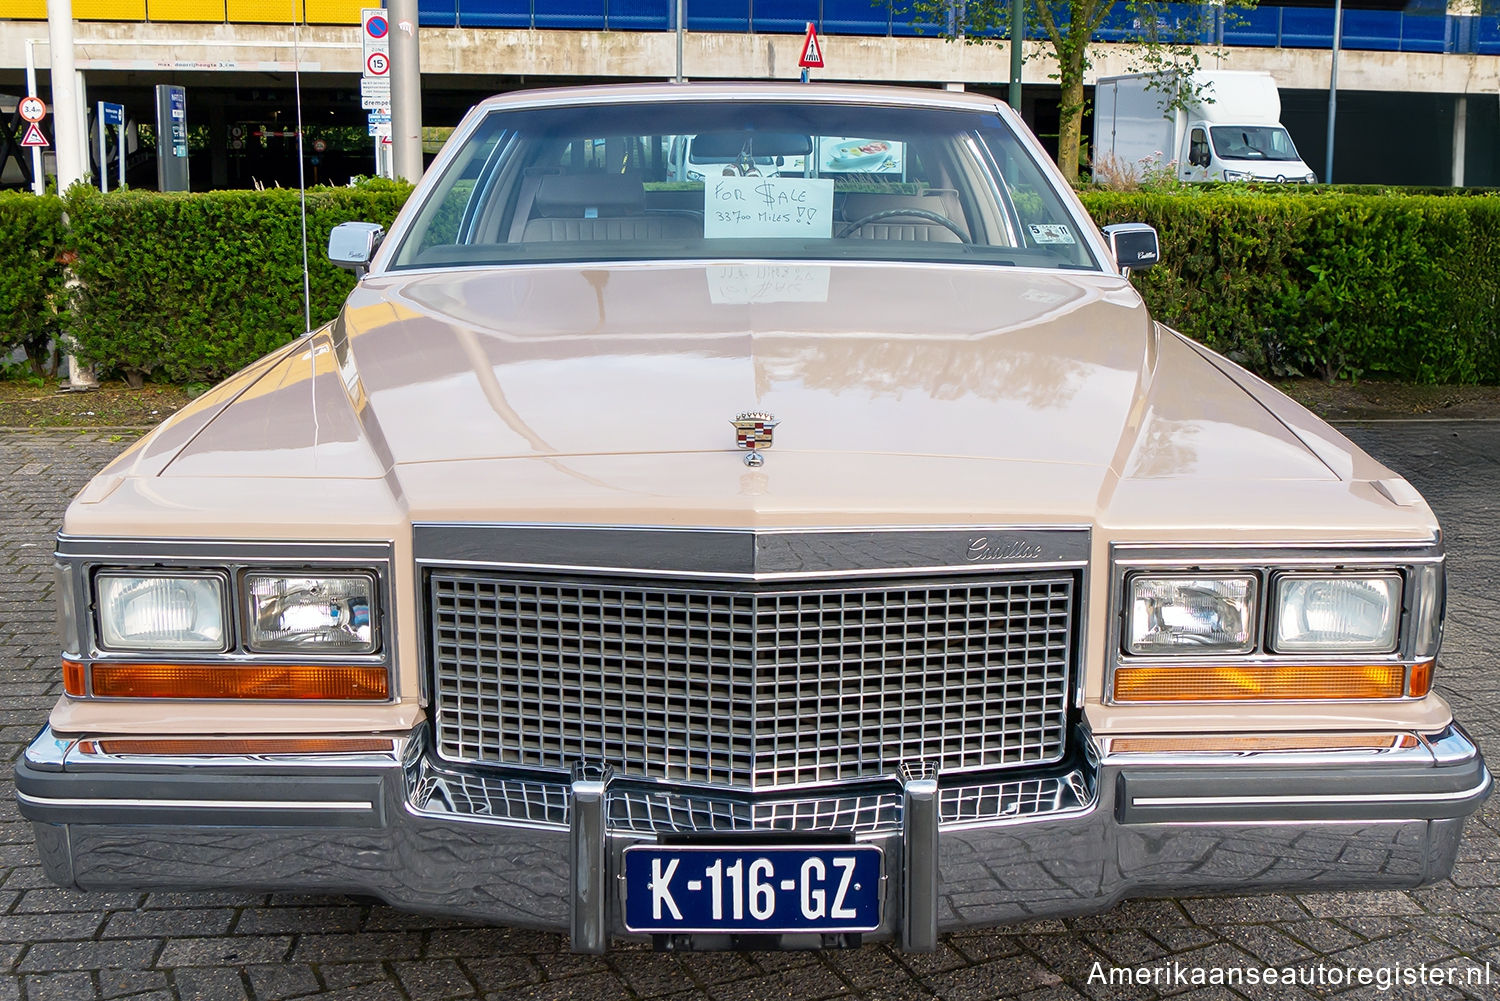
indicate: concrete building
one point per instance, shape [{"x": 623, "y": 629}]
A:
[{"x": 1419, "y": 86}]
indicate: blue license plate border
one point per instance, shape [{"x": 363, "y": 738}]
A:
[{"x": 728, "y": 927}]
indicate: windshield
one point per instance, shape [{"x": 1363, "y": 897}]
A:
[
  {"x": 765, "y": 180},
  {"x": 1253, "y": 142}
]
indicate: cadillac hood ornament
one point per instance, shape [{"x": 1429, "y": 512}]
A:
[{"x": 753, "y": 431}]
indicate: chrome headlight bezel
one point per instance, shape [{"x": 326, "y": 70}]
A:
[
  {"x": 1419, "y": 566},
  {"x": 80, "y": 561}
]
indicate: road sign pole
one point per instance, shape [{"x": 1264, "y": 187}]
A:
[
  {"x": 103, "y": 130},
  {"x": 1017, "y": 51},
  {"x": 38, "y": 180},
  {"x": 406, "y": 91},
  {"x": 120, "y": 150}
]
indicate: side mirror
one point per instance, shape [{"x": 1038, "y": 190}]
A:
[
  {"x": 353, "y": 244},
  {"x": 1134, "y": 245}
]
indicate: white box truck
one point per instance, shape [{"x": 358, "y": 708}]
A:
[{"x": 1230, "y": 131}]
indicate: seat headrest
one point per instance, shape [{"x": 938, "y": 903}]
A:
[
  {"x": 858, "y": 204},
  {"x": 579, "y": 196}
]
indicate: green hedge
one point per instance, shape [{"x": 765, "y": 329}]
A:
[
  {"x": 31, "y": 275},
  {"x": 1287, "y": 281},
  {"x": 195, "y": 286},
  {"x": 1335, "y": 285}
]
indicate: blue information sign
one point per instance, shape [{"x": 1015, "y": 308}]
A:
[{"x": 114, "y": 114}]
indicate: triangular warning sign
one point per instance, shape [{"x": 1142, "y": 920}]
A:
[
  {"x": 34, "y": 137},
  {"x": 812, "y": 52}
]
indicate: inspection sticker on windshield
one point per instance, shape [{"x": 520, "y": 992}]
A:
[
  {"x": 768, "y": 206},
  {"x": 1050, "y": 232}
]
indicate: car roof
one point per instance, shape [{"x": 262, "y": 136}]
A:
[{"x": 836, "y": 93}]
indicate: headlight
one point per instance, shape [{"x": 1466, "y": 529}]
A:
[
  {"x": 1191, "y": 614},
  {"x": 1344, "y": 614},
  {"x": 141, "y": 612},
  {"x": 1311, "y": 178},
  {"x": 1236, "y": 175},
  {"x": 332, "y": 614}
]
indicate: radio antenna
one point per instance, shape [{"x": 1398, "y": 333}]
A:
[{"x": 301, "y": 167}]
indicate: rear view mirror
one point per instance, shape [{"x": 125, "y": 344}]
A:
[
  {"x": 1134, "y": 245},
  {"x": 714, "y": 147},
  {"x": 352, "y": 245}
]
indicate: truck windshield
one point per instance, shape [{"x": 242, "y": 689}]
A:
[
  {"x": 1253, "y": 142},
  {"x": 794, "y": 180}
]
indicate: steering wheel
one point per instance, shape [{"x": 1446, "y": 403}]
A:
[{"x": 941, "y": 220}]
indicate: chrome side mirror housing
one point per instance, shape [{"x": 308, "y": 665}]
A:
[
  {"x": 1134, "y": 245},
  {"x": 352, "y": 245}
]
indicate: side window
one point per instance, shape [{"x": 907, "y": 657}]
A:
[{"x": 1198, "y": 149}]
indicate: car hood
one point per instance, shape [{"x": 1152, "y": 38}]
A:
[
  {"x": 904, "y": 393},
  {"x": 939, "y": 361}
]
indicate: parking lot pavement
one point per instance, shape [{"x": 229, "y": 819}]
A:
[{"x": 73, "y": 946}]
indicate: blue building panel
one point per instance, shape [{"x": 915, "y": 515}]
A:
[
  {"x": 1372, "y": 30},
  {"x": 1306, "y": 28},
  {"x": 495, "y": 13},
  {"x": 783, "y": 16},
  {"x": 719, "y": 15},
  {"x": 588, "y": 15},
  {"x": 856, "y": 17},
  {"x": 1257, "y": 26},
  {"x": 640, "y": 15},
  {"x": 1422, "y": 27},
  {"x": 1425, "y": 33},
  {"x": 1485, "y": 32},
  {"x": 437, "y": 13}
]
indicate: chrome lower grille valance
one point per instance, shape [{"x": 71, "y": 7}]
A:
[{"x": 751, "y": 685}]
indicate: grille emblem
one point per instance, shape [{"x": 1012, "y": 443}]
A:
[{"x": 752, "y": 431}]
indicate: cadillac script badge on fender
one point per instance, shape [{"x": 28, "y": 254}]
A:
[{"x": 753, "y": 430}]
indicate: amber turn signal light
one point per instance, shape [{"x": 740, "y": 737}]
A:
[
  {"x": 343, "y": 682},
  {"x": 1421, "y": 679},
  {"x": 73, "y": 677},
  {"x": 1251, "y": 682}
]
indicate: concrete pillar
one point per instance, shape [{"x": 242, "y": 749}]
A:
[
  {"x": 1460, "y": 138},
  {"x": 69, "y": 133},
  {"x": 67, "y": 124}
]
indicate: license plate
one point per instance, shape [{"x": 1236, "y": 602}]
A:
[{"x": 735, "y": 889}]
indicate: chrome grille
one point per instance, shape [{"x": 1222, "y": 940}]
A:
[{"x": 751, "y": 685}]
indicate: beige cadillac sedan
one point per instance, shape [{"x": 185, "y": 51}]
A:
[{"x": 748, "y": 515}]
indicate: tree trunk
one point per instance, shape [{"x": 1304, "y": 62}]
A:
[{"x": 1070, "y": 113}]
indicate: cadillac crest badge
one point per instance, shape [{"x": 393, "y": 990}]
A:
[{"x": 753, "y": 431}]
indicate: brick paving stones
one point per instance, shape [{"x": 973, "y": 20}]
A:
[{"x": 236, "y": 947}]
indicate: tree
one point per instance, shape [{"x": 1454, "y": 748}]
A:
[{"x": 1162, "y": 37}]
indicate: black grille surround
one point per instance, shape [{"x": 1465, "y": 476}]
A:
[{"x": 751, "y": 685}]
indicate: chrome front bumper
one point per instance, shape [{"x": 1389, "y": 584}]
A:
[{"x": 1119, "y": 818}]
